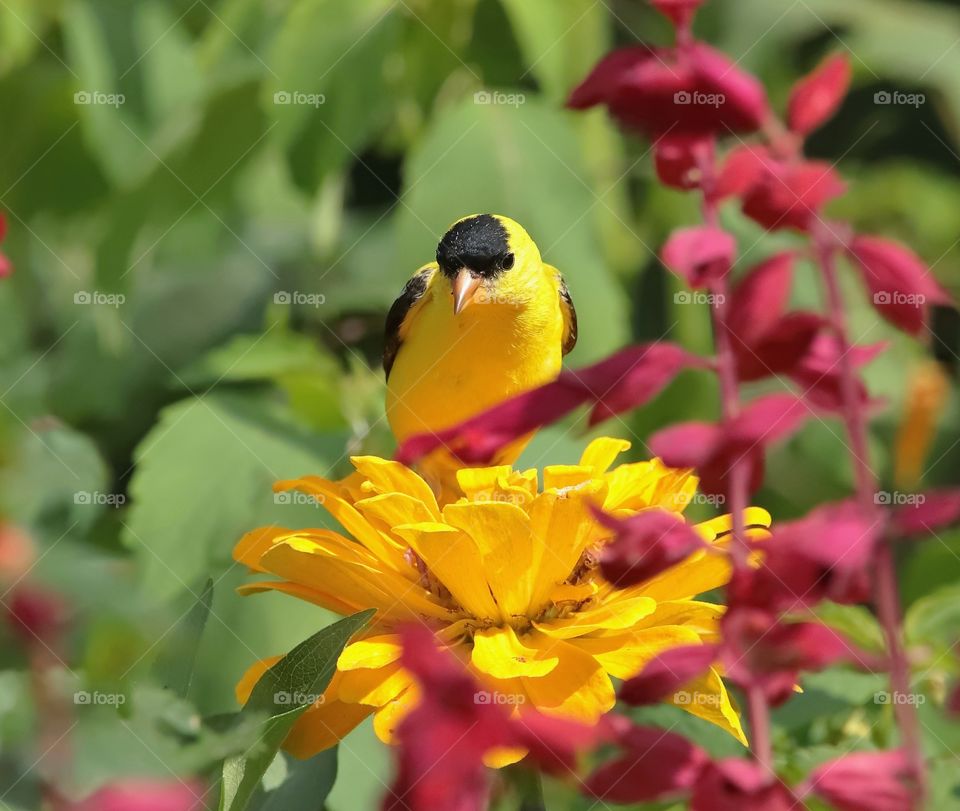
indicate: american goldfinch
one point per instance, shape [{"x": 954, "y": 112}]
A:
[{"x": 486, "y": 321}]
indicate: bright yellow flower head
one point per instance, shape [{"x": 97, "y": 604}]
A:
[{"x": 505, "y": 576}]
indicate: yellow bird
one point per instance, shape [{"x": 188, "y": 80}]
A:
[{"x": 486, "y": 321}]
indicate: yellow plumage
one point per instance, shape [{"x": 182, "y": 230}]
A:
[{"x": 446, "y": 363}]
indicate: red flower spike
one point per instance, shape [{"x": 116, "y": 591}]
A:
[
  {"x": 759, "y": 650},
  {"x": 791, "y": 195},
  {"x": 865, "y": 781},
  {"x": 679, "y": 12},
  {"x": 740, "y": 785},
  {"x": 818, "y": 372},
  {"x": 443, "y": 740},
  {"x": 678, "y": 160},
  {"x": 645, "y": 545},
  {"x": 825, "y": 556},
  {"x": 900, "y": 284},
  {"x": 700, "y": 255},
  {"x": 815, "y": 98},
  {"x": 656, "y": 765},
  {"x": 782, "y": 350},
  {"x": 938, "y": 509},
  {"x": 711, "y": 449},
  {"x": 625, "y": 380},
  {"x": 137, "y": 794},
  {"x": 666, "y": 673},
  {"x": 690, "y": 91}
]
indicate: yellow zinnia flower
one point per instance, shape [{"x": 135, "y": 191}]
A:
[{"x": 505, "y": 576}]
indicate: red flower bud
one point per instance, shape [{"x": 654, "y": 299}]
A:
[
  {"x": 739, "y": 785},
  {"x": 938, "y": 509},
  {"x": 146, "y": 795},
  {"x": 816, "y": 97},
  {"x": 667, "y": 672},
  {"x": 700, "y": 255},
  {"x": 678, "y": 159},
  {"x": 791, "y": 195},
  {"x": 679, "y": 12},
  {"x": 865, "y": 781},
  {"x": 36, "y": 615}
]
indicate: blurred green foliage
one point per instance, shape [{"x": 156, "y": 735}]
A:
[{"x": 211, "y": 206}]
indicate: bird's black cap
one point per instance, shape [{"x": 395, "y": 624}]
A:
[{"x": 479, "y": 243}]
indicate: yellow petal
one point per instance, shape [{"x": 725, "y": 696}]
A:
[
  {"x": 250, "y": 548},
  {"x": 391, "y": 715},
  {"x": 387, "y": 476},
  {"x": 707, "y": 698},
  {"x": 322, "y": 727},
  {"x": 392, "y": 509},
  {"x": 577, "y": 688},
  {"x": 623, "y": 655},
  {"x": 503, "y": 756},
  {"x": 561, "y": 527},
  {"x": 558, "y": 477},
  {"x": 701, "y": 572},
  {"x": 306, "y": 562},
  {"x": 723, "y": 524},
  {"x": 453, "y": 557},
  {"x": 500, "y": 653},
  {"x": 329, "y": 600},
  {"x": 371, "y": 653},
  {"x": 501, "y": 532},
  {"x": 373, "y": 687},
  {"x": 699, "y": 617},
  {"x": 612, "y": 614},
  {"x": 478, "y": 481},
  {"x": 602, "y": 452},
  {"x": 329, "y": 495}
]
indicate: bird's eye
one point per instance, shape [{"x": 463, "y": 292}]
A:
[{"x": 507, "y": 261}]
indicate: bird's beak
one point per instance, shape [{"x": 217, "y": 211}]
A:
[{"x": 464, "y": 288}]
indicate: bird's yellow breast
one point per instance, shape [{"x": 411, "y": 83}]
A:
[{"x": 452, "y": 366}]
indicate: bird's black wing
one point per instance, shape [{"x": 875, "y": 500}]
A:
[
  {"x": 569, "y": 315},
  {"x": 400, "y": 312}
]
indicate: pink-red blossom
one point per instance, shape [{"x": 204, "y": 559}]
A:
[
  {"x": 865, "y": 781},
  {"x": 701, "y": 255},
  {"x": 816, "y": 97}
]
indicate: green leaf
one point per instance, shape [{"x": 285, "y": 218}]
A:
[
  {"x": 304, "y": 784},
  {"x": 301, "y": 675},
  {"x": 522, "y": 161},
  {"x": 853, "y": 621},
  {"x": 934, "y": 619},
  {"x": 204, "y": 476},
  {"x": 173, "y": 668}
]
